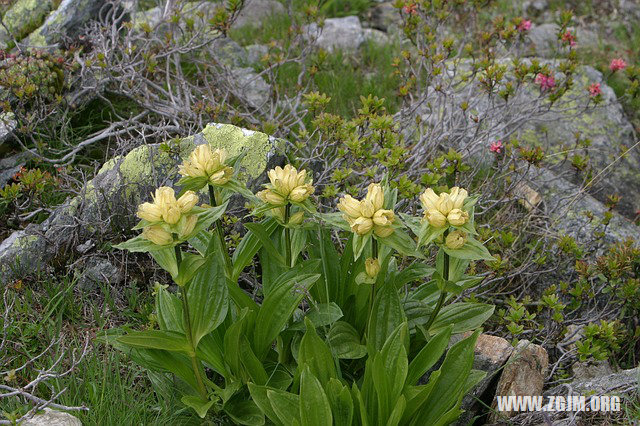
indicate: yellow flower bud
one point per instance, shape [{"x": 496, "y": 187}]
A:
[
  {"x": 457, "y": 217},
  {"x": 171, "y": 213},
  {"x": 383, "y": 217},
  {"x": 204, "y": 162},
  {"x": 271, "y": 197},
  {"x": 277, "y": 213},
  {"x": 150, "y": 212},
  {"x": 428, "y": 199},
  {"x": 301, "y": 193},
  {"x": 458, "y": 195},
  {"x": 382, "y": 231},
  {"x": 189, "y": 169},
  {"x": 296, "y": 218},
  {"x": 165, "y": 195},
  {"x": 187, "y": 201},
  {"x": 349, "y": 206},
  {"x": 219, "y": 157},
  {"x": 222, "y": 176},
  {"x": 444, "y": 203},
  {"x": 362, "y": 225},
  {"x": 366, "y": 208},
  {"x": 157, "y": 235},
  {"x": 187, "y": 224},
  {"x": 456, "y": 240},
  {"x": 435, "y": 218},
  {"x": 372, "y": 267},
  {"x": 375, "y": 195}
]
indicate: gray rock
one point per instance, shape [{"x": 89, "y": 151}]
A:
[
  {"x": 250, "y": 86},
  {"x": 67, "y": 19},
  {"x": 375, "y": 36},
  {"x": 337, "y": 33},
  {"x": 108, "y": 202},
  {"x": 52, "y": 418},
  {"x": 384, "y": 17},
  {"x": 625, "y": 381},
  {"x": 9, "y": 166},
  {"x": 524, "y": 373},
  {"x": 7, "y": 125},
  {"x": 583, "y": 371},
  {"x": 255, "y": 12},
  {"x": 255, "y": 52},
  {"x": 95, "y": 271},
  {"x": 22, "y": 18},
  {"x": 543, "y": 40}
]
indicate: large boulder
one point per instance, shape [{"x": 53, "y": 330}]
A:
[
  {"x": 67, "y": 19},
  {"x": 22, "y": 18},
  {"x": 108, "y": 202},
  {"x": 255, "y": 12},
  {"x": 51, "y": 417},
  {"x": 337, "y": 34}
]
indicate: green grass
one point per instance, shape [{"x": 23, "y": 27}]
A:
[{"x": 117, "y": 391}]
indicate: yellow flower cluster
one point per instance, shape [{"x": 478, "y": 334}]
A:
[
  {"x": 368, "y": 214},
  {"x": 287, "y": 184},
  {"x": 207, "y": 163},
  {"x": 455, "y": 240},
  {"x": 168, "y": 217},
  {"x": 446, "y": 207}
]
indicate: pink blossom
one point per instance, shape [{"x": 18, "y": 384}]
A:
[
  {"x": 569, "y": 38},
  {"x": 617, "y": 64},
  {"x": 546, "y": 82},
  {"x": 594, "y": 89},
  {"x": 525, "y": 25},
  {"x": 411, "y": 9},
  {"x": 496, "y": 147}
]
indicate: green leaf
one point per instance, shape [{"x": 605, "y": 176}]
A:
[
  {"x": 244, "y": 411},
  {"x": 157, "y": 339},
  {"x": 415, "y": 272},
  {"x": 359, "y": 243},
  {"x": 429, "y": 234},
  {"x": 340, "y": 401},
  {"x": 252, "y": 364},
  {"x": 259, "y": 230},
  {"x": 335, "y": 220},
  {"x": 286, "y": 406},
  {"x": 139, "y": 244},
  {"x": 277, "y": 308},
  {"x": 188, "y": 183},
  {"x": 322, "y": 247},
  {"x": 387, "y": 314},
  {"x": 169, "y": 311},
  {"x": 428, "y": 356},
  {"x": 232, "y": 341},
  {"x": 398, "y": 410},
  {"x": 206, "y": 216},
  {"x": 201, "y": 241},
  {"x": 401, "y": 242},
  {"x": 345, "y": 341},
  {"x": 188, "y": 267},
  {"x": 249, "y": 247},
  {"x": 472, "y": 250},
  {"x": 454, "y": 374},
  {"x": 166, "y": 258},
  {"x": 210, "y": 350},
  {"x": 413, "y": 223},
  {"x": 201, "y": 406},
  {"x": 463, "y": 316},
  {"x": 259, "y": 396},
  {"x": 315, "y": 355},
  {"x": 320, "y": 315},
  {"x": 314, "y": 405},
  {"x": 208, "y": 297},
  {"x": 359, "y": 405}
]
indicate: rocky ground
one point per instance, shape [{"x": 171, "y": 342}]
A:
[{"x": 595, "y": 208}]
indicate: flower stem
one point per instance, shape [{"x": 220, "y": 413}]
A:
[
  {"x": 187, "y": 323},
  {"x": 287, "y": 235},
  {"x": 443, "y": 293},
  {"x": 374, "y": 254},
  {"x": 219, "y": 230}
]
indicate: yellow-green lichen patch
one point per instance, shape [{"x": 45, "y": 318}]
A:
[
  {"x": 22, "y": 18},
  {"x": 255, "y": 145},
  {"x": 140, "y": 166}
]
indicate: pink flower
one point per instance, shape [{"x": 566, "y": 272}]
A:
[
  {"x": 595, "y": 90},
  {"x": 617, "y": 64},
  {"x": 525, "y": 25},
  {"x": 496, "y": 147},
  {"x": 411, "y": 9},
  {"x": 569, "y": 38},
  {"x": 546, "y": 82}
]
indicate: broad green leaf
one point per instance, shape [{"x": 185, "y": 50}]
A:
[
  {"x": 315, "y": 355},
  {"x": 335, "y": 220},
  {"x": 416, "y": 396},
  {"x": 139, "y": 244},
  {"x": 341, "y": 402},
  {"x": 401, "y": 242},
  {"x": 398, "y": 410},
  {"x": 429, "y": 233},
  {"x": 298, "y": 242},
  {"x": 162, "y": 360},
  {"x": 210, "y": 350},
  {"x": 360, "y": 411},
  {"x": 232, "y": 341},
  {"x": 387, "y": 314},
  {"x": 320, "y": 315},
  {"x": 207, "y": 215},
  {"x": 208, "y": 297},
  {"x": 252, "y": 365},
  {"x": 166, "y": 258},
  {"x": 359, "y": 243},
  {"x": 259, "y": 396},
  {"x": 249, "y": 247},
  {"x": 454, "y": 373},
  {"x": 241, "y": 299},
  {"x": 259, "y": 230},
  {"x": 345, "y": 341},
  {"x": 314, "y": 405},
  {"x": 415, "y": 272},
  {"x": 201, "y": 406},
  {"x": 322, "y": 247},
  {"x": 277, "y": 308},
  {"x": 157, "y": 339},
  {"x": 189, "y": 266},
  {"x": 169, "y": 311},
  {"x": 472, "y": 250},
  {"x": 286, "y": 406},
  {"x": 463, "y": 316},
  {"x": 428, "y": 356},
  {"x": 244, "y": 411},
  {"x": 201, "y": 242}
]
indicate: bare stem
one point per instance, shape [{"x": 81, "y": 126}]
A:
[
  {"x": 219, "y": 230},
  {"x": 287, "y": 235}
]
